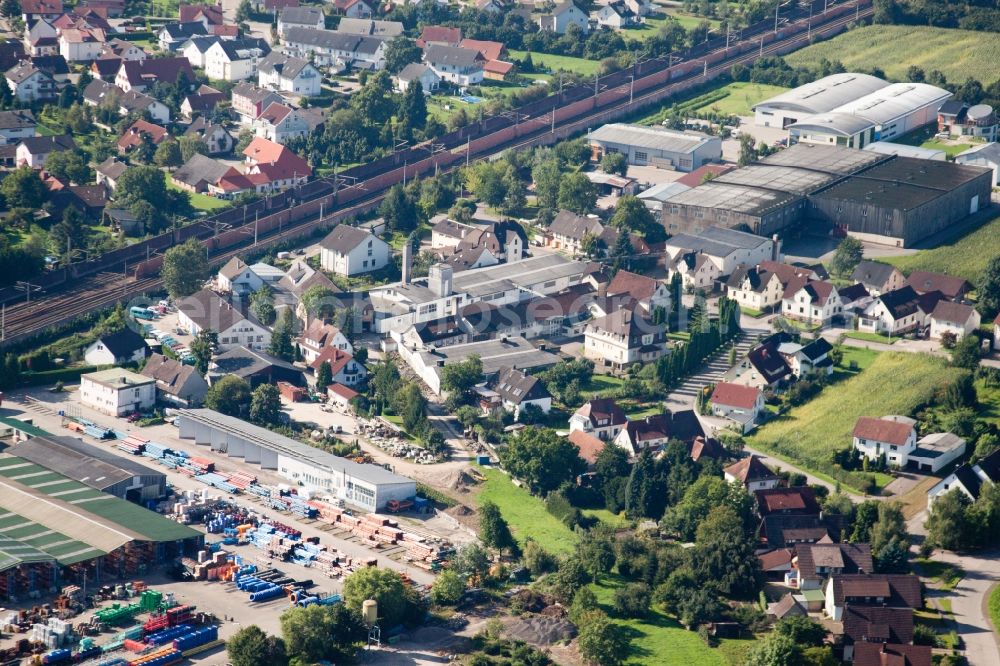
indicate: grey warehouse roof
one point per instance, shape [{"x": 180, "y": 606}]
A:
[
  {"x": 524, "y": 273},
  {"x": 735, "y": 198},
  {"x": 293, "y": 448},
  {"x": 654, "y": 138},
  {"x": 841, "y": 124},
  {"x": 515, "y": 352},
  {"x": 824, "y": 94},
  {"x": 781, "y": 178},
  {"x": 895, "y": 101},
  {"x": 717, "y": 241},
  {"x": 80, "y": 461},
  {"x": 831, "y": 159}
]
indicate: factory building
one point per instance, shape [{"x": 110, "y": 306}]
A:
[
  {"x": 655, "y": 146},
  {"x": 882, "y": 115},
  {"x": 820, "y": 96},
  {"x": 903, "y": 200},
  {"x": 369, "y": 487},
  {"x": 94, "y": 467},
  {"x": 765, "y": 197},
  {"x": 887, "y": 199},
  {"x": 56, "y": 531}
]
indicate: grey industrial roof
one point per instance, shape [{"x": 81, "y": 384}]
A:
[
  {"x": 904, "y": 150},
  {"x": 663, "y": 191},
  {"x": 824, "y": 94},
  {"x": 903, "y": 182},
  {"x": 831, "y": 159},
  {"x": 74, "y": 458},
  {"x": 894, "y": 101},
  {"x": 524, "y": 273},
  {"x": 290, "y": 447},
  {"x": 775, "y": 177},
  {"x": 717, "y": 241},
  {"x": 736, "y": 198},
  {"x": 653, "y": 138},
  {"x": 833, "y": 122},
  {"x": 495, "y": 354},
  {"x": 987, "y": 151}
]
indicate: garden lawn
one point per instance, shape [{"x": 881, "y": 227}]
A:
[
  {"x": 581, "y": 66},
  {"x": 959, "y": 54},
  {"x": 966, "y": 256},
  {"x": 925, "y": 139},
  {"x": 201, "y": 201},
  {"x": 602, "y": 386},
  {"x": 526, "y": 514},
  {"x": 945, "y": 575},
  {"x": 871, "y": 337},
  {"x": 893, "y": 383},
  {"x": 995, "y": 607},
  {"x": 659, "y": 639},
  {"x": 740, "y": 98}
]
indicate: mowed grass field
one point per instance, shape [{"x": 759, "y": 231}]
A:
[
  {"x": 526, "y": 514},
  {"x": 966, "y": 256},
  {"x": 893, "y": 383},
  {"x": 959, "y": 54},
  {"x": 556, "y": 62},
  {"x": 740, "y": 98},
  {"x": 659, "y": 639}
]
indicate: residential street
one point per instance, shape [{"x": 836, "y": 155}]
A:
[{"x": 970, "y": 597}]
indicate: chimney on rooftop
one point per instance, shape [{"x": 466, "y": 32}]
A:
[{"x": 407, "y": 261}]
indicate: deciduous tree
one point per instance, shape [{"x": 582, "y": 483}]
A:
[
  {"x": 202, "y": 348},
  {"x": 265, "y": 405},
  {"x": 542, "y": 459},
  {"x": 250, "y": 646},
  {"x": 282, "y": 334},
  {"x": 847, "y": 256},
  {"x": 400, "y": 52},
  {"x": 319, "y": 633},
  {"x": 185, "y": 267},
  {"x": 228, "y": 395},
  {"x": 577, "y": 193},
  {"x": 494, "y": 530},
  {"x": 22, "y": 188}
]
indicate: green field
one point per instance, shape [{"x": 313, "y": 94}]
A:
[
  {"x": 526, "y": 514},
  {"x": 871, "y": 337},
  {"x": 201, "y": 201},
  {"x": 925, "y": 139},
  {"x": 556, "y": 62},
  {"x": 657, "y": 20},
  {"x": 959, "y": 54},
  {"x": 740, "y": 97},
  {"x": 966, "y": 257},
  {"x": 995, "y": 607},
  {"x": 893, "y": 383},
  {"x": 659, "y": 639}
]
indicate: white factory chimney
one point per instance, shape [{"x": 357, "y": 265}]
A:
[
  {"x": 407, "y": 261},
  {"x": 439, "y": 280}
]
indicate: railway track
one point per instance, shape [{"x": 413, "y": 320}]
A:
[{"x": 22, "y": 320}]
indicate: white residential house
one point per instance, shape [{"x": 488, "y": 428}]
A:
[
  {"x": 353, "y": 8},
  {"x": 562, "y": 17},
  {"x": 120, "y": 348},
  {"x": 283, "y": 73},
  {"x": 328, "y": 48},
  {"x": 616, "y": 16},
  {"x": 568, "y": 231},
  {"x": 894, "y": 437},
  {"x": 16, "y": 125},
  {"x": 235, "y": 59},
  {"x": 196, "y": 49},
  {"x": 300, "y": 17},
  {"x": 207, "y": 310},
  {"x": 601, "y": 417},
  {"x": 752, "y": 474},
  {"x": 30, "y": 84},
  {"x": 462, "y": 67},
  {"x": 697, "y": 270},
  {"x": 739, "y": 403},
  {"x": 894, "y": 313},
  {"x": 815, "y": 303},
  {"x": 727, "y": 248},
  {"x": 516, "y": 390},
  {"x": 417, "y": 72},
  {"x": 957, "y": 318},
  {"x": 279, "y": 123},
  {"x": 34, "y": 150},
  {"x": 349, "y": 251},
  {"x": 237, "y": 277},
  {"x": 319, "y": 336},
  {"x": 117, "y": 392},
  {"x": 755, "y": 288},
  {"x": 622, "y": 338},
  {"x": 77, "y": 45},
  {"x": 968, "y": 479},
  {"x": 345, "y": 369}
]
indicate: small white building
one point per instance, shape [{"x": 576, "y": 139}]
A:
[
  {"x": 120, "y": 348},
  {"x": 754, "y": 288},
  {"x": 417, "y": 72},
  {"x": 235, "y": 59},
  {"x": 894, "y": 437},
  {"x": 349, "y": 251},
  {"x": 752, "y": 474},
  {"x": 936, "y": 451},
  {"x": 321, "y": 335},
  {"x": 894, "y": 313},
  {"x": 957, "y": 318},
  {"x": 726, "y": 248},
  {"x": 968, "y": 479},
  {"x": 117, "y": 392},
  {"x": 562, "y": 17},
  {"x": 237, "y": 277},
  {"x": 601, "y": 417},
  {"x": 462, "y": 67}
]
